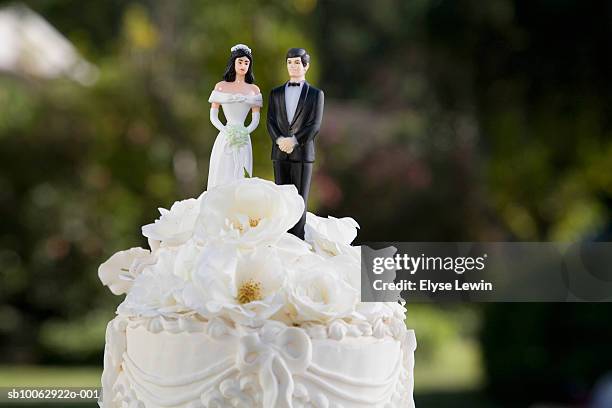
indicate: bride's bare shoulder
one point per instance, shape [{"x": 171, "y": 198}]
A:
[
  {"x": 255, "y": 89},
  {"x": 221, "y": 85}
]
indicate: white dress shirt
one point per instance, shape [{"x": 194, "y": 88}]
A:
[{"x": 292, "y": 98}]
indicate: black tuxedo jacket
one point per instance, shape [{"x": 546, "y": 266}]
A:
[{"x": 305, "y": 125}]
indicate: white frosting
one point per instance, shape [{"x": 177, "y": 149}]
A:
[{"x": 217, "y": 364}]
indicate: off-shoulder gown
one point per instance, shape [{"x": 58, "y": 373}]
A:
[{"x": 228, "y": 163}]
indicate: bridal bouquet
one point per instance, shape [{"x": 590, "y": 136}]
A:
[{"x": 237, "y": 136}]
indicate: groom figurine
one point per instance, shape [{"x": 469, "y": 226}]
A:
[{"x": 295, "y": 112}]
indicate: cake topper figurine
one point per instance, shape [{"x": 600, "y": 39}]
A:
[
  {"x": 232, "y": 155},
  {"x": 295, "y": 113}
]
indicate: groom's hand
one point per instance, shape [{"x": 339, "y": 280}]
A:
[
  {"x": 291, "y": 143},
  {"x": 286, "y": 144},
  {"x": 281, "y": 142}
]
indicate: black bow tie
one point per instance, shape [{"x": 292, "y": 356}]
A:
[{"x": 294, "y": 83}]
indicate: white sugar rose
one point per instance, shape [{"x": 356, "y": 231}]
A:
[
  {"x": 372, "y": 311},
  {"x": 290, "y": 249},
  {"x": 247, "y": 291},
  {"x": 154, "y": 294},
  {"x": 249, "y": 212},
  {"x": 175, "y": 226},
  {"x": 179, "y": 261},
  {"x": 212, "y": 279},
  {"x": 348, "y": 268},
  {"x": 330, "y": 236},
  {"x": 120, "y": 270},
  {"x": 319, "y": 293},
  {"x": 186, "y": 259},
  {"x": 153, "y": 244}
]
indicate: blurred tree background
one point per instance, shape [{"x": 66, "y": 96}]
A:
[{"x": 445, "y": 120}]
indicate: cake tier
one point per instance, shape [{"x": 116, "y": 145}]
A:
[{"x": 188, "y": 363}]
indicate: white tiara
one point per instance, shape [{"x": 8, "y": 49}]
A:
[{"x": 241, "y": 47}]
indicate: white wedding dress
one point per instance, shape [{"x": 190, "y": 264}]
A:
[{"x": 227, "y": 161}]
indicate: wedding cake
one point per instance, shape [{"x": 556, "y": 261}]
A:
[{"x": 227, "y": 309}]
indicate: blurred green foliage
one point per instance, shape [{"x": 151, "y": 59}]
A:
[
  {"x": 49, "y": 376},
  {"x": 553, "y": 352},
  {"x": 448, "y": 354},
  {"x": 445, "y": 120}
]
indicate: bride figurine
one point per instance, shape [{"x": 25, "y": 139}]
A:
[{"x": 232, "y": 155}]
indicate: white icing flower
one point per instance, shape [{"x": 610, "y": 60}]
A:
[
  {"x": 175, "y": 226},
  {"x": 348, "y": 268},
  {"x": 179, "y": 261},
  {"x": 249, "y": 212},
  {"x": 154, "y": 244},
  {"x": 212, "y": 279},
  {"x": 154, "y": 294},
  {"x": 330, "y": 236},
  {"x": 318, "y": 293},
  {"x": 244, "y": 287},
  {"x": 373, "y": 314},
  {"x": 186, "y": 259},
  {"x": 291, "y": 249},
  {"x": 165, "y": 259},
  {"x": 372, "y": 311},
  {"x": 119, "y": 271}
]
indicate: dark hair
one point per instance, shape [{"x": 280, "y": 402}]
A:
[
  {"x": 230, "y": 71},
  {"x": 299, "y": 52}
]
